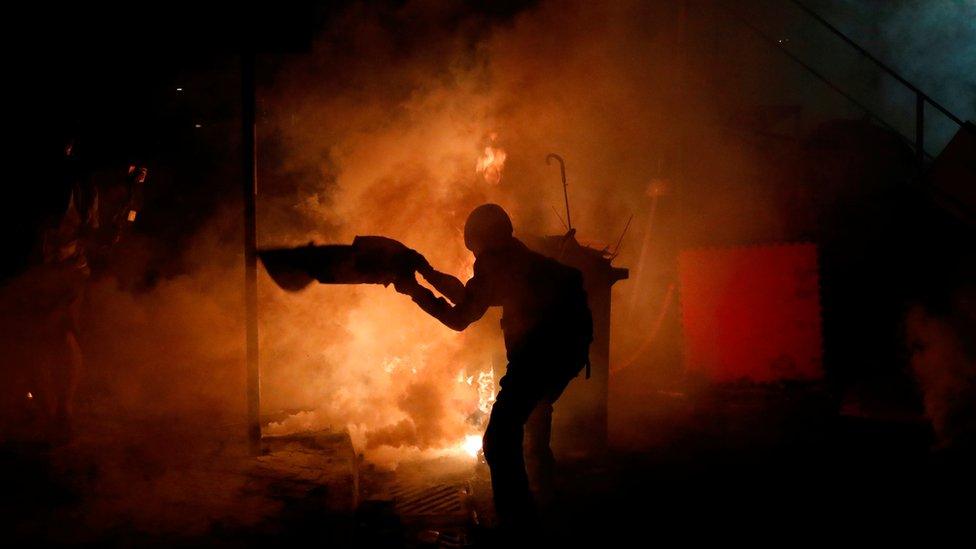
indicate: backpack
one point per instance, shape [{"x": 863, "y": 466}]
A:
[{"x": 574, "y": 308}]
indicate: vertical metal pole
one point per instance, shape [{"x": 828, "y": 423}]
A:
[
  {"x": 919, "y": 128},
  {"x": 249, "y": 189}
]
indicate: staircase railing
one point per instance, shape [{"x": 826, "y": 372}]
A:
[{"x": 921, "y": 98}]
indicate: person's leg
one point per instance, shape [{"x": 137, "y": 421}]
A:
[
  {"x": 503, "y": 452},
  {"x": 539, "y": 459}
]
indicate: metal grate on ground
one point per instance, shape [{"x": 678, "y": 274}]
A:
[{"x": 426, "y": 501}]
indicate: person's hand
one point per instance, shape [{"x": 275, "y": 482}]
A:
[
  {"x": 407, "y": 285},
  {"x": 418, "y": 262}
]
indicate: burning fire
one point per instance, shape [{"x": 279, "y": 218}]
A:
[
  {"x": 410, "y": 388},
  {"x": 486, "y": 390},
  {"x": 492, "y": 162},
  {"x": 471, "y": 445}
]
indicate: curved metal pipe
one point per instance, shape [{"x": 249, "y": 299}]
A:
[{"x": 562, "y": 172}]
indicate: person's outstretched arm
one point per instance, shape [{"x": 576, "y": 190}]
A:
[
  {"x": 470, "y": 300},
  {"x": 448, "y": 285}
]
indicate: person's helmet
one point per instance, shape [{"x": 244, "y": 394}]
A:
[{"x": 487, "y": 227}]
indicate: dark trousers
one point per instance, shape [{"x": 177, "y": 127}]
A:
[{"x": 522, "y": 412}]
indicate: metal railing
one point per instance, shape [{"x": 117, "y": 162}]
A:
[{"x": 921, "y": 98}]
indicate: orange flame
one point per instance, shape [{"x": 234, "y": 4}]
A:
[
  {"x": 471, "y": 445},
  {"x": 492, "y": 162},
  {"x": 486, "y": 390}
]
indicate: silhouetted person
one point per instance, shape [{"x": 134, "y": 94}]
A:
[
  {"x": 547, "y": 328},
  {"x": 80, "y": 222},
  {"x": 55, "y": 287}
]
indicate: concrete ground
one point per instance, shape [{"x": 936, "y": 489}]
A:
[{"x": 160, "y": 483}]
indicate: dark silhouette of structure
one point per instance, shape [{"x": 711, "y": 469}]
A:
[{"x": 547, "y": 328}]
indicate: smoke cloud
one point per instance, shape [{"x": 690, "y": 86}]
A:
[
  {"x": 933, "y": 44},
  {"x": 388, "y": 131},
  {"x": 381, "y": 129},
  {"x": 944, "y": 363}
]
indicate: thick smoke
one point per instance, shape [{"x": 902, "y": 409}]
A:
[
  {"x": 943, "y": 360},
  {"x": 380, "y": 129}
]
